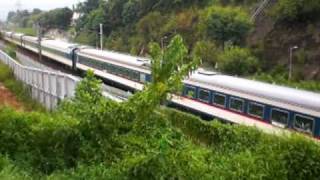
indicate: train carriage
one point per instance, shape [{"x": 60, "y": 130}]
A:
[
  {"x": 277, "y": 105},
  {"x": 17, "y": 38},
  {"x": 60, "y": 51},
  {"x": 237, "y": 100},
  {"x": 129, "y": 70},
  {"x": 30, "y": 43}
]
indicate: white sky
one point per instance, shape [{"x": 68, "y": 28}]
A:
[{"x": 9, "y": 5}]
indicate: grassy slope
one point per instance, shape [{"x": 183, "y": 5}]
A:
[
  {"x": 170, "y": 144},
  {"x": 17, "y": 88},
  {"x": 26, "y": 31}
]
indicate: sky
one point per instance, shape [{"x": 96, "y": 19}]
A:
[{"x": 9, "y": 5}]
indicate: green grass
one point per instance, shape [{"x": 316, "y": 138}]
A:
[
  {"x": 27, "y": 31},
  {"x": 17, "y": 87},
  {"x": 90, "y": 137}
]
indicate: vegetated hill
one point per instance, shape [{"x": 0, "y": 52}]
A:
[
  {"x": 278, "y": 29},
  {"x": 211, "y": 29},
  {"x": 91, "y": 137},
  {"x": 219, "y": 31}
]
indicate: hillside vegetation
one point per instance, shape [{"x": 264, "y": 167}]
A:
[
  {"x": 219, "y": 31},
  {"x": 22, "y": 93},
  {"x": 91, "y": 137}
]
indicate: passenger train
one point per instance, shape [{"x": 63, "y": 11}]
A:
[{"x": 237, "y": 100}]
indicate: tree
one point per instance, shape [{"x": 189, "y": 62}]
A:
[
  {"x": 87, "y": 6},
  {"x": 296, "y": 10},
  {"x": 36, "y": 11},
  {"x": 113, "y": 12},
  {"x": 149, "y": 26},
  {"x": 207, "y": 51},
  {"x": 130, "y": 12},
  {"x": 228, "y": 24},
  {"x": 57, "y": 18},
  {"x": 237, "y": 61},
  {"x": 10, "y": 16},
  {"x": 169, "y": 67}
]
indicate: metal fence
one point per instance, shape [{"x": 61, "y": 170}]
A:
[
  {"x": 264, "y": 4},
  {"x": 46, "y": 87}
]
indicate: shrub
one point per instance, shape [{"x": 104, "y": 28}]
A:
[
  {"x": 11, "y": 50},
  {"x": 227, "y": 24},
  {"x": 296, "y": 10},
  {"x": 207, "y": 51},
  {"x": 237, "y": 61},
  {"x": 17, "y": 87}
]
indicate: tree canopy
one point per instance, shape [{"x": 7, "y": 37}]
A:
[
  {"x": 237, "y": 61},
  {"x": 296, "y": 10},
  {"x": 228, "y": 24}
]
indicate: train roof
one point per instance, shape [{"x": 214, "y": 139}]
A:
[
  {"x": 59, "y": 45},
  {"x": 18, "y": 34},
  {"x": 116, "y": 56},
  {"x": 273, "y": 92},
  {"x": 30, "y": 38},
  {"x": 8, "y": 32}
]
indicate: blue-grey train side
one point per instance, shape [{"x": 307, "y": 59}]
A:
[
  {"x": 115, "y": 69},
  {"x": 280, "y": 106}
]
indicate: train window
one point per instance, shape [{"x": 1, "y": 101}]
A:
[
  {"x": 136, "y": 76},
  {"x": 303, "y": 123},
  {"x": 279, "y": 117},
  {"x": 190, "y": 92},
  {"x": 219, "y": 99},
  {"x": 204, "y": 95},
  {"x": 256, "y": 110},
  {"x": 236, "y": 104}
]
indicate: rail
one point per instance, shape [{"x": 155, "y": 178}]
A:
[{"x": 46, "y": 87}]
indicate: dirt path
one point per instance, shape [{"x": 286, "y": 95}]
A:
[{"x": 9, "y": 99}]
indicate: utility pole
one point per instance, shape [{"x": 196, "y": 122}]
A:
[
  {"x": 290, "y": 60},
  {"x": 101, "y": 37},
  {"x": 39, "y": 33}
]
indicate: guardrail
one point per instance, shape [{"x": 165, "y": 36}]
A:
[{"x": 46, "y": 87}]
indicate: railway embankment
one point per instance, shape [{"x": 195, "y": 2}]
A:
[
  {"x": 90, "y": 137},
  {"x": 13, "y": 93}
]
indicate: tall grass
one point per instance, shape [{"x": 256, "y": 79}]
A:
[
  {"x": 19, "y": 89},
  {"x": 91, "y": 137},
  {"x": 27, "y": 31}
]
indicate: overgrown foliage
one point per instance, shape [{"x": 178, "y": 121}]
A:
[
  {"x": 91, "y": 137},
  {"x": 227, "y": 24},
  {"x": 237, "y": 61},
  {"x": 282, "y": 79},
  {"x": 104, "y": 143},
  {"x": 296, "y": 10},
  {"x": 22, "y": 93},
  {"x": 25, "y": 20},
  {"x": 10, "y": 49}
]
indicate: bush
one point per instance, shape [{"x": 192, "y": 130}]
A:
[
  {"x": 11, "y": 50},
  {"x": 281, "y": 78},
  {"x": 227, "y": 24},
  {"x": 237, "y": 61},
  {"x": 17, "y": 87},
  {"x": 207, "y": 51},
  {"x": 38, "y": 141},
  {"x": 296, "y": 10},
  {"x": 94, "y": 138}
]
